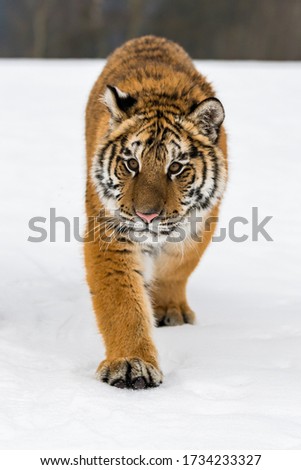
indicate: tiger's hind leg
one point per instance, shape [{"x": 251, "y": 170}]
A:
[
  {"x": 173, "y": 315},
  {"x": 170, "y": 304}
]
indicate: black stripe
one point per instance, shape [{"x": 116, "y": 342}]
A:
[
  {"x": 123, "y": 251},
  {"x": 138, "y": 272},
  {"x": 216, "y": 172},
  {"x": 147, "y": 126},
  {"x": 112, "y": 155},
  {"x": 176, "y": 144}
]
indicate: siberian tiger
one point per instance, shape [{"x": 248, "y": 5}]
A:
[{"x": 157, "y": 160}]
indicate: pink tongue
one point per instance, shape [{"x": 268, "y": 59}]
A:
[{"x": 147, "y": 217}]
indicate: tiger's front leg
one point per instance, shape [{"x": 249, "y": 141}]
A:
[{"x": 124, "y": 316}]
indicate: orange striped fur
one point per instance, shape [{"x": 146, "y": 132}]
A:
[{"x": 156, "y": 149}]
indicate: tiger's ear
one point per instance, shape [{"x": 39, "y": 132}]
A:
[
  {"x": 118, "y": 102},
  {"x": 208, "y": 115}
]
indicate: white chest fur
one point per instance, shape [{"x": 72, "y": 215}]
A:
[{"x": 148, "y": 267}]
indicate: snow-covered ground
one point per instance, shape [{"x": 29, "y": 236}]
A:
[{"x": 233, "y": 380}]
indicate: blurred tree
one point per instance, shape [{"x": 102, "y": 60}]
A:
[{"x": 209, "y": 29}]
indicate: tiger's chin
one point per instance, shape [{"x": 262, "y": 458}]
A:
[{"x": 157, "y": 235}]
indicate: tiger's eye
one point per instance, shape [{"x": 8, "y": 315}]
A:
[
  {"x": 132, "y": 164},
  {"x": 174, "y": 168}
]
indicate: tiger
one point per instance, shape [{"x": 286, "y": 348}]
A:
[{"x": 156, "y": 163}]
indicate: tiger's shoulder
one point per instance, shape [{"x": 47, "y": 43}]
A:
[{"x": 152, "y": 62}]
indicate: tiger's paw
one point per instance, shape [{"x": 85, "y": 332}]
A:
[
  {"x": 173, "y": 315},
  {"x": 133, "y": 373}
]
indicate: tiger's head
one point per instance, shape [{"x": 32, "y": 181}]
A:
[{"x": 159, "y": 162}]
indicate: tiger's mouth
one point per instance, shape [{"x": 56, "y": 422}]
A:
[
  {"x": 159, "y": 226},
  {"x": 161, "y": 229}
]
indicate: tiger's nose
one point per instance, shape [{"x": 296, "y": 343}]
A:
[{"x": 147, "y": 217}]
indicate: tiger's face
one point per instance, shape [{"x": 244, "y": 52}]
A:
[{"x": 156, "y": 169}]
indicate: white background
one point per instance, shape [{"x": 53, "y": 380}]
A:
[{"x": 233, "y": 380}]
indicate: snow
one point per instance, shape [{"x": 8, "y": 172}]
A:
[{"x": 231, "y": 381}]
